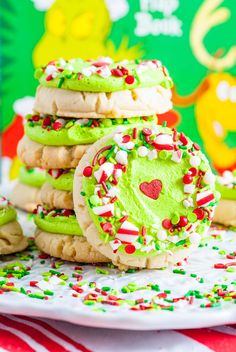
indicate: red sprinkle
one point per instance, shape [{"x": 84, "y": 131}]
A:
[
  {"x": 88, "y": 170},
  {"x": 106, "y": 226},
  {"x": 183, "y": 139},
  {"x": 147, "y": 131},
  {"x": 196, "y": 146},
  {"x": 129, "y": 79},
  {"x": 220, "y": 266},
  {"x": 67, "y": 212},
  {"x": 49, "y": 78},
  {"x": 183, "y": 221},
  {"x": 79, "y": 76},
  {"x": 102, "y": 160},
  {"x": 33, "y": 283},
  {"x": 126, "y": 138},
  {"x": 229, "y": 256},
  {"x": 46, "y": 122},
  {"x": 117, "y": 72},
  {"x": 56, "y": 126},
  {"x": 193, "y": 171},
  {"x": 166, "y": 223},
  {"x": 124, "y": 218},
  {"x": 129, "y": 249},
  {"x": 199, "y": 213},
  {"x": 35, "y": 118},
  {"x": 135, "y": 131},
  {"x": 187, "y": 179}
]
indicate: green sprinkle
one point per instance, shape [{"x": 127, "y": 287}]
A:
[
  {"x": 179, "y": 271},
  {"x": 102, "y": 271},
  {"x": 48, "y": 293},
  {"x": 155, "y": 288},
  {"x": 164, "y": 124},
  {"x": 106, "y": 288},
  {"x": 61, "y": 81},
  {"x": 36, "y": 295},
  {"x": 89, "y": 302},
  {"x": 193, "y": 275},
  {"x": 180, "y": 243}
]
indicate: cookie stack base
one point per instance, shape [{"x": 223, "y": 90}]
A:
[{"x": 67, "y": 247}]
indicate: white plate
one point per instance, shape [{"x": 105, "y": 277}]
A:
[{"x": 62, "y": 305}]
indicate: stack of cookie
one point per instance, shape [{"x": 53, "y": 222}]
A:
[
  {"x": 77, "y": 103},
  {"x": 26, "y": 194},
  {"x": 11, "y": 235}
]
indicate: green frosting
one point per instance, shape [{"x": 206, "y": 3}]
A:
[
  {"x": 73, "y": 133},
  {"x": 64, "y": 182},
  {"x": 226, "y": 192},
  {"x": 7, "y": 215},
  {"x": 151, "y": 192},
  {"x": 80, "y": 75},
  {"x": 32, "y": 176},
  {"x": 66, "y": 225},
  {"x": 226, "y": 185}
]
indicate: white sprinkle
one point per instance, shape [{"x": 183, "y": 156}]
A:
[
  {"x": 82, "y": 122},
  {"x": 195, "y": 161},
  {"x": 152, "y": 154},
  {"x": 142, "y": 151},
  {"x": 189, "y": 189},
  {"x": 122, "y": 157},
  {"x": 50, "y": 69},
  {"x": 162, "y": 235},
  {"x": 209, "y": 178}
]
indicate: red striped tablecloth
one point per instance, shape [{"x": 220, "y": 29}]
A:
[{"x": 24, "y": 334}]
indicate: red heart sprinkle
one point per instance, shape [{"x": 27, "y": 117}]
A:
[{"x": 151, "y": 189}]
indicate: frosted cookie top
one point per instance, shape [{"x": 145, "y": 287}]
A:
[
  {"x": 226, "y": 184},
  {"x": 60, "y": 221},
  {"x": 103, "y": 75},
  {"x": 148, "y": 191},
  {"x": 7, "y": 212}
]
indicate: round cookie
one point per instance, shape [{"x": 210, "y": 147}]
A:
[
  {"x": 25, "y": 197},
  {"x": 71, "y": 248},
  {"x": 225, "y": 212},
  {"x": 34, "y": 154},
  {"x": 26, "y": 194},
  {"x": 127, "y": 103},
  {"x": 103, "y": 88},
  {"x": 56, "y": 198},
  {"x": 51, "y": 130},
  {"x": 144, "y": 197},
  {"x": 11, "y": 235},
  {"x": 58, "y": 234}
]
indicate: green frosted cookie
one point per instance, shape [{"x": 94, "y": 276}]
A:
[
  {"x": 52, "y": 130},
  {"x": 149, "y": 193},
  {"x": 61, "y": 221},
  {"x": 103, "y": 75}
]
